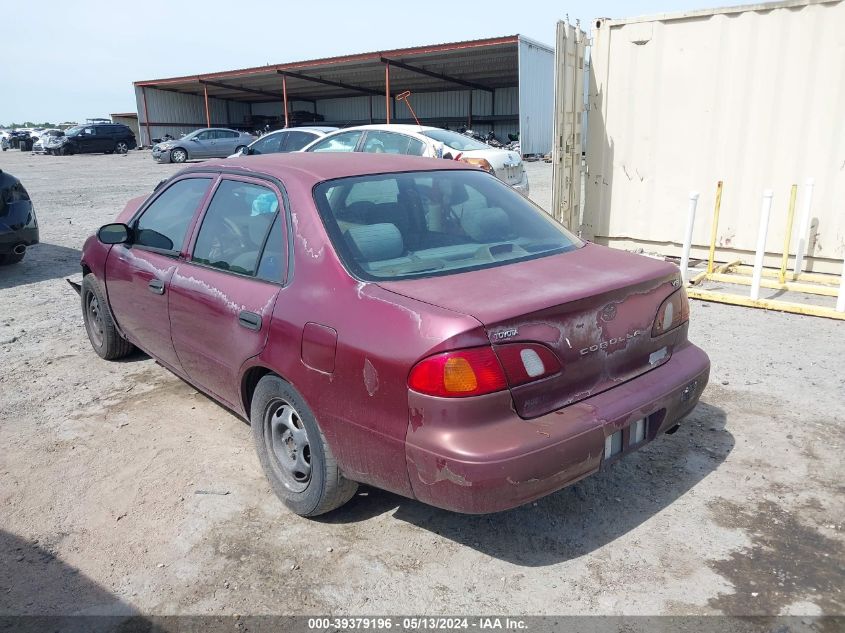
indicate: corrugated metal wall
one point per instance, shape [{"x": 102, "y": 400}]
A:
[
  {"x": 536, "y": 96},
  {"x": 526, "y": 109},
  {"x": 752, "y": 96},
  {"x": 185, "y": 112}
]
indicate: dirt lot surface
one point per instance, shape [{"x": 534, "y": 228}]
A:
[{"x": 122, "y": 489}]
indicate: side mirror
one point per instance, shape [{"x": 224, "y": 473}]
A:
[{"x": 115, "y": 233}]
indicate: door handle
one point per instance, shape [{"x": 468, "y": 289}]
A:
[
  {"x": 249, "y": 320},
  {"x": 156, "y": 286}
]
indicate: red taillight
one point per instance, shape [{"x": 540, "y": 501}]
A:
[
  {"x": 672, "y": 312},
  {"x": 466, "y": 372},
  {"x": 480, "y": 370},
  {"x": 526, "y": 362}
]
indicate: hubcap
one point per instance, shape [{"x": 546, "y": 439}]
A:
[
  {"x": 178, "y": 156},
  {"x": 287, "y": 441},
  {"x": 122, "y": 148},
  {"x": 94, "y": 320}
]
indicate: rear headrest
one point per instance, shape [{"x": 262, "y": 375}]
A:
[
  {"x": 490, "y": 224},
  {"x": 375, "y": 242}
]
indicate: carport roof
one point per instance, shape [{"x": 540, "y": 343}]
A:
[{"x": 484, "y": 64}]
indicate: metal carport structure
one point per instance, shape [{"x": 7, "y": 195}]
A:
[{"x": 504, "y": 84}]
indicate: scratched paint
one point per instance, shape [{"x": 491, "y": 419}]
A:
[{"x": 370, "y": 377}]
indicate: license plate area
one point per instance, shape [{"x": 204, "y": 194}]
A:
[{"x": 631, "y": 437}]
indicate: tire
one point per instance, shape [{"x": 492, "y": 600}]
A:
[
  {"x": 121, "y": 147},
  {"x": 239, "y": 149},
  {"x": 288, "y": 439},
  {"x": 178, "y": 155},
  {"x": 99, "y": 323}
]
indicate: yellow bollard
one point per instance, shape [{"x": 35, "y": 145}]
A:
[
  {"x": 715, "y": 230},
  {"x": 788, "y": 237}
]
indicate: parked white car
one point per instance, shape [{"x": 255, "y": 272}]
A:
[
  {"x": 432, "y": 142},
  {"x": 290, "y": 139}
]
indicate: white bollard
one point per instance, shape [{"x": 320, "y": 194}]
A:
[
  {"x": 804, "y": 226},
  {"x": 693, "y": 201},
  {"x": 840, "y": 303},
  {"x": 765, "y": 210}
]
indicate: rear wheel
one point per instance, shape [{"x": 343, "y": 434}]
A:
[
  {"x": 293, "y": 451},
  {"x": 240, "y": 149},
  {"x": 99, "y": 323},
  {"x": 178, "y": 155}
]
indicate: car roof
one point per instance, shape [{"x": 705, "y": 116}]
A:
[
  {"x": 304, "y": 128},
  {"x": 314, "y": 167},
  {"x": 392, "y": 127}
]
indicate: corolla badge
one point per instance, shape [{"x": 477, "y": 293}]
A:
[{"x": 616, "y": 340}]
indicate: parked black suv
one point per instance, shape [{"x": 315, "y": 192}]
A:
[{"x": 91, "y": 138}]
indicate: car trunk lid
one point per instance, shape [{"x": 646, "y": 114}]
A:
[{"x": 594, "y": 307}]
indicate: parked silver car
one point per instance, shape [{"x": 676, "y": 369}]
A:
[{"x": 212, "y": 142}]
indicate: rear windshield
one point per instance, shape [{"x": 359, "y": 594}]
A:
[
  {"x": 422, "y": 224},
  {"x": 456, "y": 141}
]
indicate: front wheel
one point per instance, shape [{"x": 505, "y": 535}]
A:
[
  {"x": 121, "y": 147},
  {"x": 293, "y": 451},
  {"x": 178, "y": 155},
  {"x": 99, "y": 323}
]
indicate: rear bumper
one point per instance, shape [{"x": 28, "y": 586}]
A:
[
  {"x": 9, "y": 240},
  {"x": 477, "y": 456},
  {"x": 522, "y": 185}
]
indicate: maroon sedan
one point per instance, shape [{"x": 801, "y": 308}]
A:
[{"x": 411, "y": 324}]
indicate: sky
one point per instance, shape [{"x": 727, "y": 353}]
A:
[{"x": 71, "y": 61}]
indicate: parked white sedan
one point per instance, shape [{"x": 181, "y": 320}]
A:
[
  {"x": 291, "y": 139},
  {"x": 433, "y": 142}
]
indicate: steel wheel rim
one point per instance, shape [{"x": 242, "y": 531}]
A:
[
  {"x": 94, "y": 320},
  {"x": 287, "y": 445}
]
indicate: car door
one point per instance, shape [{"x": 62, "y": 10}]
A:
[
  {"x": 86, "y": 140},
  {"x": 201, "y": 145},
  {"x": 138, "y": 275},
  {"x": 222, "y": 296},
  {"x": 227, "y": 142},
  {"x": 103, "y": 138}
]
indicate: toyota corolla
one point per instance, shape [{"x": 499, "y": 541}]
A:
[{"x": 410, "y": 324}]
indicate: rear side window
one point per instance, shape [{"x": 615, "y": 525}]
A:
[
  {"x": 295, "y": 141},
  {"x": 271, "y": 267},
  {"x": 343, "y": 142},
  {"x": 164, "y": 223},
  {"x": 235, "y": 227},
  {"x": 422, "y": 224},
  {"x": 378, "y": 142}
]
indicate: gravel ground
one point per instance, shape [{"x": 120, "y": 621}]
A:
[{"x": 124, "y": 490}]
